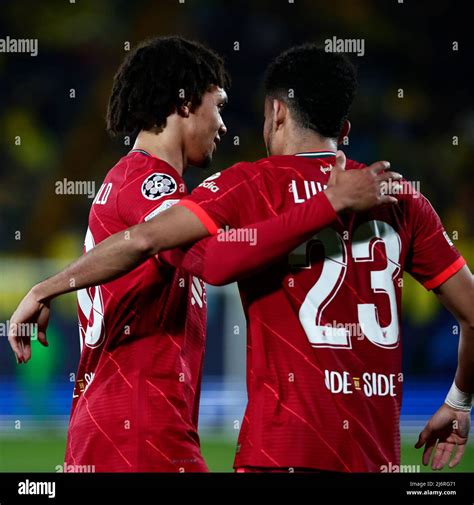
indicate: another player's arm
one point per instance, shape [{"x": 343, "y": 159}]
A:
[
  {"x": 449, "y": 426},
  {"x": 109, "y": 260},
  {"x": 176, "y": 227},
  {"x": 219, "y": 260},
  {"x": 124, "y": 251}
]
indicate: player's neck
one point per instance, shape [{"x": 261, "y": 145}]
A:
[
  {"x": 164, "y": 147},
  {"x": 304, "y": 142}
]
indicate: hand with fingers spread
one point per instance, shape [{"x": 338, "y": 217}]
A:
[
  {"x": 360, "y": 190},
  {"x": 446, "y": 434},
  {"x": 32, "y": 312}
]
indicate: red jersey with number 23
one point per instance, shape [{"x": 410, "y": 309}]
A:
[
  {"x": 136, "y": 398},
  {"x": 324, "y": 373}
]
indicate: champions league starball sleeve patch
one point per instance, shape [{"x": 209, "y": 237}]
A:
[{"x": 158, "y": 185}]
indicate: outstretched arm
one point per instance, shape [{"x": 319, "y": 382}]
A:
[
  {"x": 176, "y": 227},
  {"x": 122, "y": 252},
  {"x": 112, "y": 258},
  {"x": 449, "y": 427},
  {"x": 234, "y": 254}
]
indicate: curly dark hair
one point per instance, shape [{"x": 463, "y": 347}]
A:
[
  {"x": 156, "y": 78},
  {"x": 317, "y": 86}
]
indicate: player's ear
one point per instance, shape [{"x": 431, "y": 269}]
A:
[
  {"x": 346, "y": 128},
  {"x": 184, "y": 109},
  {"x": 280, "y": 112}
]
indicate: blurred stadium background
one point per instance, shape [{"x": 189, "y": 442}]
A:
[{"x": 408, "y": 45}]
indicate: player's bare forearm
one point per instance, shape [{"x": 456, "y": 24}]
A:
[
  {"x": 457, "y": 295},
  {"x": 124, "y": 251},
  {"x": 464, "y": 378},
  {"x": 446, "y": 433},
  {"x": 107, "y": 261}
]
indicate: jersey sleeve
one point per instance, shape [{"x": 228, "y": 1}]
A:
[
  {"x": 144, "y": 195},
  {"x": 222, "y": 259},
  {"x": 432, "y": 259},
  {"x": 225, "y": 198}
]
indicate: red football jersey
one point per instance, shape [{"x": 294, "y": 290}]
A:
[
  {"x": 324, "y": 373},
  {"x": 136, "y": 398}
]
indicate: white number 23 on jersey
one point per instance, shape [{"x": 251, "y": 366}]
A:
[{"x": 332, "y": 276}]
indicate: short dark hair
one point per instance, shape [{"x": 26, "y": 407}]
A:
[
  {"x": 324, "y": 85},
  {"x": 156, "y": 78}
]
